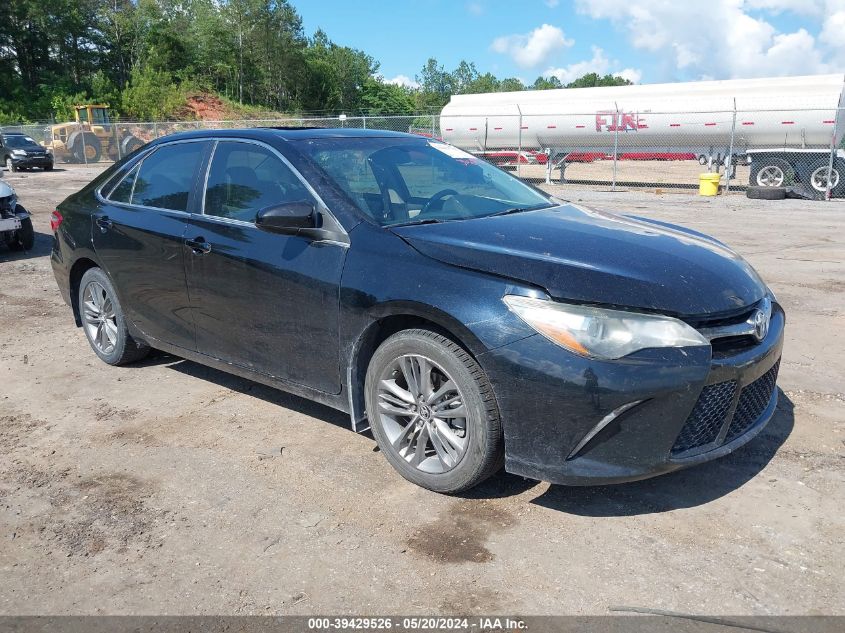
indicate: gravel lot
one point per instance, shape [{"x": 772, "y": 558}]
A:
[{"x": 167, "y": 487}]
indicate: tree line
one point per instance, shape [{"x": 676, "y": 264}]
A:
[{"x": 145, "y": 57}]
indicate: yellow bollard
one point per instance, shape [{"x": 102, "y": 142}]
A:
[{"x": 708, "y": 184}]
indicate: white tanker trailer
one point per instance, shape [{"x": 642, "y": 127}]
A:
[{"x": 784, "y": 125}]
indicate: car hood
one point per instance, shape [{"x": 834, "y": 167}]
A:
[
  {"x": 589, "y": 256},
  {"x": 6, "y": 189}
]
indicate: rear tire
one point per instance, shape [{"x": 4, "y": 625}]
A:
[
  {"x": 457, "y": 452},
  {"x": 104, "y": 322},
  {"x": 766, "y": 193}
]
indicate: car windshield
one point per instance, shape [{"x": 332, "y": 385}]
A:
[
  {"x": 19, "y": 141},
  {"x": 409, "y": 181}
]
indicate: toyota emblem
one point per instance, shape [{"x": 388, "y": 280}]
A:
[{"x": 761, "y": 324}]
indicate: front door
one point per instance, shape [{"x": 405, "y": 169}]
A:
[
  {"x": 138, "y": 235},
  {"x": 260, "y": 300}
]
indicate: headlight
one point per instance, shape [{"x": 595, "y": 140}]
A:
[
  {"x": 599, "y": 333},
  {"x": 19, "y": 152}
]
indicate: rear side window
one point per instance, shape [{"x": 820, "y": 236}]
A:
[
  {"x": 245, "y": 178},
  {"x": 166, "y": 177}
]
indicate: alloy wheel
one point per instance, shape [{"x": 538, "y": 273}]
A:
[
  {"x": 422, "y": 411},
  {"x": 99, "y": 317},
  {"x": 770, "y": 176},
  {"x": 820, "y": 177}
]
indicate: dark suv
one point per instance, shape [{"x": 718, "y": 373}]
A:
[
  {"x": 469, "y": 319},
  {"x": 19, "y": 151}
]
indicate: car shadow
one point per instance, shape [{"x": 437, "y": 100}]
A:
[
  {"x": 682, "y": 489},
  {"x": 254, "y": 389},
  {"x": 41, "y": 248}
]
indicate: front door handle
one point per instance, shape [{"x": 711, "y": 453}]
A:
[
  {"x": 104, "y": 223},
  {"x": 198, "y": 246}
]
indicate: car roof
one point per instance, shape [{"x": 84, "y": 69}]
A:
[{"x": 291, "y": 133}]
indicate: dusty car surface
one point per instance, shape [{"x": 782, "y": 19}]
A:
[{"x": 469, "y": 319}]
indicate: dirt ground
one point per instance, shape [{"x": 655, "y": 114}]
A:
[
  {"x": 167, "y": 487},
  {"x": 672, "y": 174}
]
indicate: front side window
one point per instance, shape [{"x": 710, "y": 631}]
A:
[
  {"x": 401, "y": 180},
  {"x": 245, "y": 178},
  {"x": 100, "y": 116},
  {"x": 166, "y": 176}
]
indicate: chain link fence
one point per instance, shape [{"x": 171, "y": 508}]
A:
[{"x": 614, "y": 149}]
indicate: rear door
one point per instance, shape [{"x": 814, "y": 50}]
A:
[
  {"x": 138, "y": 234},
  {"x": 264, "y": 301}
]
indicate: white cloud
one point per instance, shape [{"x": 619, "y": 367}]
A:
[
  {"x": 833, "y": 32},
  {"x": 634, "y": 75},
  {"x": 728, "y": 38},
  {"x": 402, "y": 80},
  {"x": 599, "y": 63},
  {"x": 532, "y": 49},
  {"x": 551, "y": 3}
]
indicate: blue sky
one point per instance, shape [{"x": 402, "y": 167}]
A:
[{"x": 648, "y": 41}]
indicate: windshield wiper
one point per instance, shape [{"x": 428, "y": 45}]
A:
[
  {"x": 415, "y": 222},
  {"x": 535, "y": 207}
]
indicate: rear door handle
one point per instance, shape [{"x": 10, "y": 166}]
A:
[
  {"x": 198, "y": 246},
  {"x": 104, "y": 223}
]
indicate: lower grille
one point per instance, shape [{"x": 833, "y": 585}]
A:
[
  {"x": 753, "y": 402},
  {"x": 710, "y": 414},
  {"x": 707, "y": 418}
]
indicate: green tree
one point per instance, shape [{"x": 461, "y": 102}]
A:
[
  {"x": 380, "y": 98},
  {"x": 546, "y": 83},
  {"x": 435, "y": 86},
  {"x": 593, "y": 80},
  {"x": 152, "y": 96}
]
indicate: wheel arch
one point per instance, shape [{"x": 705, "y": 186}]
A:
[
  {"x": 388, "y": 319},
  {"x": 77, "y": 271}
]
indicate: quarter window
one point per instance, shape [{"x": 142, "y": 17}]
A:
[
  {"x": 167, "y": 175},
  {"x": 123, "y": 191},
  {"x": 245, "y": 178}
]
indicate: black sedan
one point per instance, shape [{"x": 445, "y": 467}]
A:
[
  {"x": 19, "y": 151},
  {"x": 467, "y": 318}
]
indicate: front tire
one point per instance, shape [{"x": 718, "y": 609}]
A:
[
  {"x": 433, "y": 412},
  {"x": 104, "y": 322},
  {"x": 24, "y": 238},
  {"x": 10, "y": 166}
]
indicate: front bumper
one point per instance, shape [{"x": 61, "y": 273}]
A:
[
  {"x": 9, "y": 224},
  {"x": 32, "y": 161},
  {"x": 577, "y": 421}
]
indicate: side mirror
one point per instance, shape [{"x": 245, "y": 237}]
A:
[{"x": 287, "y": 218}]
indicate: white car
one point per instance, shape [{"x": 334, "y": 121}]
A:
[{"x": 15, "y": 223}]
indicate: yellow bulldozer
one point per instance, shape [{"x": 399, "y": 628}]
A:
[{"x": 91, "y": 137}]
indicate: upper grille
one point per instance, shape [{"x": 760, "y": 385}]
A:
[
  {"x": 753, "y": 402},
  {"x": 707, "y": 418}
]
